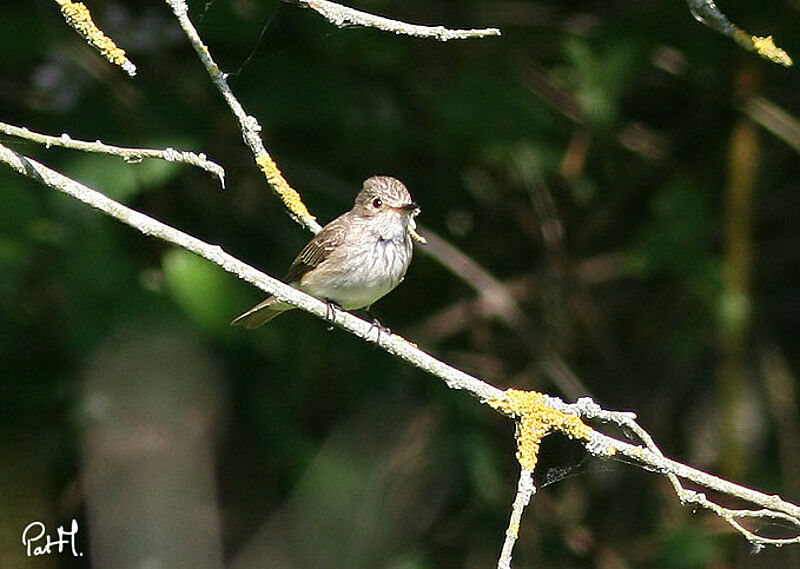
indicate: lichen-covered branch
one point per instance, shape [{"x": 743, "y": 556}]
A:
[
  {"x": 249, "y": 125},
  {"x": 706, "y": 12},
  {"x": 342, "y": 16},
  {"x": 537, "y": 418},
  {"x": 131, "y": 155},
  {"x": 77, "y": 15}
]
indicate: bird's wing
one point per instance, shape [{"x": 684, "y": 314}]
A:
[{"x": 318, "y": 249}]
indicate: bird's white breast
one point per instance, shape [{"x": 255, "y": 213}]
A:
[{"x": 366, "y": 274}]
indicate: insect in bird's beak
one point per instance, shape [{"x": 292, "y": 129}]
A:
[{"x": 412, "y": 225}]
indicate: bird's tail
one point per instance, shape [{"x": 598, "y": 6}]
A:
[{"x": 262, "y": 313}]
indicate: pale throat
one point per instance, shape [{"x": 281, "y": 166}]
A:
[{"x": 395, "y": 231}]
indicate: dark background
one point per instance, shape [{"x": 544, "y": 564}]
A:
[{"x": 600, "y": 158}]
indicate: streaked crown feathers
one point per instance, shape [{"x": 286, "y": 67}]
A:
[{"x": 390, "y": 190}]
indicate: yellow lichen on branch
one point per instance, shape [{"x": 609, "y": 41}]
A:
[
  {"x": 706, "y": 12},
  {"x": 765, "y": 47},
  {"x": 536, "y": 420},
  {"x": 77, "y": 15},
  {"x": 278, "y": 183}
]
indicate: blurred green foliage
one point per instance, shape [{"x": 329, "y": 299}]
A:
[
  {"x": 618, "y": 115},
  {"x": 688, "y": 548}
]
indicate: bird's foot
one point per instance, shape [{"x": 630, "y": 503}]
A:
[
  {"x": 330, "y": 312},
  {"x": 380, "y": 328}
]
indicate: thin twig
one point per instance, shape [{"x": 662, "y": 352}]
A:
[
  {"x": 588, "y": 409},
  {"x": 706, "y": 12},
  {"x": 131, "y": 155},
  {"x": 343, "y": 16},
  {"x": 598, "y": 444},
  {"x": 526, "y": 488},
  {"x": 77, "y": 15},
  {"x": 249, "y": 125},
  {"x": 690, "y": 497}
]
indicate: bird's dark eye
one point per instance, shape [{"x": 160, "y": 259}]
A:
[{"x": 377, "y": 203}]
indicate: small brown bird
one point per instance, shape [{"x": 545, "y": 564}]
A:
[{"x": 357, "y": 258}]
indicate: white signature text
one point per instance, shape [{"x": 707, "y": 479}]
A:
[{"x": 37, "y": 543}]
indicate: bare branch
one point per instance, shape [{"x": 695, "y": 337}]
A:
[
  {"x": 131, "y": 155},
  {"x": 342, "y": 16},
  {"x": 526, "y": 488}
]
